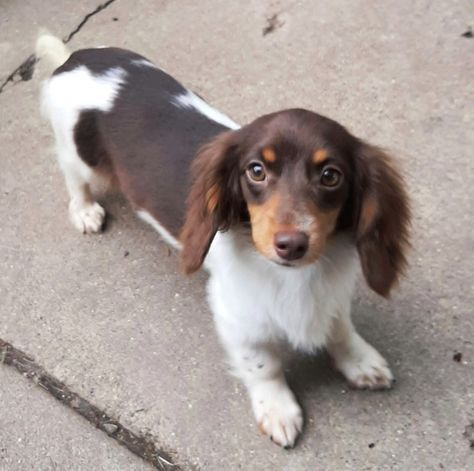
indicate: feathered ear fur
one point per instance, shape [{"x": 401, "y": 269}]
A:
[
  {"x": 214, "y": 202},
  {"x": 383, "y": 219}
]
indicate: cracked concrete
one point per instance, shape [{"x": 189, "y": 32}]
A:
[
  {"x": 25, "y": 70},
  {"x": 139, "y": 444},
  {"x": 134, "y": 337},
  {"x": 21, "y": 21},
  {"x": 36, "y": 433}
]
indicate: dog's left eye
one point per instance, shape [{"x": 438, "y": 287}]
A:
[
  {"x": 330, "y": 177},
  {"x": 256, "y": 172}
]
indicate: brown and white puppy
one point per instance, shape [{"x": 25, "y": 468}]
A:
[{"x": 280, "y": 211}]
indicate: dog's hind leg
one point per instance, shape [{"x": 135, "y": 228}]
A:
[
  {"x": 64, "y": 97},
  {"x": 85, "y": 213},
  {"x": 80, "y": 154}
]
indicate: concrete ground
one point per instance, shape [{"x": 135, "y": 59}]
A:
[
  {"x": 39, "y": 434},
  {"x": 135, "y": 338}
]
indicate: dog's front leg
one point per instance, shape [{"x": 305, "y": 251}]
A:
[
  {"x": 274, "y": 405},
  {"x": 361, "y": 364}
]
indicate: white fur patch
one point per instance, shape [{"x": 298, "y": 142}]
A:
[
  {"x": 143, "y": 63},
  {"x": 167, "y": 237},
  {"x": 191, "y": 101},
  {"x": 78, "y": 89}
]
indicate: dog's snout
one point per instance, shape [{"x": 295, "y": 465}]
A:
[{"x": 291, "y": 245}]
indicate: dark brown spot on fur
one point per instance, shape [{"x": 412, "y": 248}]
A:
[{"x": 89, "y": 143}]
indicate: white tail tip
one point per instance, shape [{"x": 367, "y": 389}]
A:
[{"x": 52, "y": 49}]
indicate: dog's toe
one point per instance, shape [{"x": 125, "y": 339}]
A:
[
  {"x": 280, "y": 417},
  {"x": 87, "y": 218}
]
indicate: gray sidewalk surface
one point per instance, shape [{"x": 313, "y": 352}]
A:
[
  {"x": 112, "y": 317},
  {"x": 37, "y": 433}
]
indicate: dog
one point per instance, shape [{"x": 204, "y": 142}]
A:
[{"x": 282, "y": 212}]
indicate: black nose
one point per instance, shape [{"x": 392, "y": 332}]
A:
[{"x": 290, "y": 245}]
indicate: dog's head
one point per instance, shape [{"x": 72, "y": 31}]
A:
[{"x": 298, "y": 178}]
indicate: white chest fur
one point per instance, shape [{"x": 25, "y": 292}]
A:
[{"x": 259, "y": 301}]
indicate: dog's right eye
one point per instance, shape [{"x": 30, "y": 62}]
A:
[
  {"x": 256, "y": 172},
  {"x": 330, "y": 177}
]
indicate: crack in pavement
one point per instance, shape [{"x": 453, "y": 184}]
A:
[
  {"x": 141, "y": 445},
  {"x": 86, "y": 19},
  {"x": 25, "y": 70}
]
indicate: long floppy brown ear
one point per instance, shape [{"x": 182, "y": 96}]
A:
[
  {"x": 383, "y": 220},
  {"x": 214, "y": 201}
]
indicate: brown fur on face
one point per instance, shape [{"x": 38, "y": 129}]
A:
[
  {"x": 266, "y": 222},
  {"x": 324, "y": 223},
  {"x": 369, "y": 200},
  {"x": 264, "y": 225}
]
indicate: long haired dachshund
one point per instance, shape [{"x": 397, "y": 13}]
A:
[{"x": 281, "y": 212}]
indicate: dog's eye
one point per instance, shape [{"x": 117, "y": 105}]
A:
[
  {"x": 330, "y": 177},
  {"x": 256, "y": 172}
]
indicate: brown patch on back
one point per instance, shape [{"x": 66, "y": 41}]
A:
[
  {"x": 268, "y": 155},
  {"x": 320, "y": 156}
]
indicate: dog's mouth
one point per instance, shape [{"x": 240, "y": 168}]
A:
[
  {"x": 285, "y": 264},
  {"x": 301, "y": 262}
]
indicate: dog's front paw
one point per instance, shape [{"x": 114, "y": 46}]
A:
[
  {"x": 278, "y": 414},
  {"x": 87, "y": 218},
  {"x": 366, "y": 369}
]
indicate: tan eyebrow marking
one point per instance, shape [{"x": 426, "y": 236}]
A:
[
  {"x": 320, "y": 156},
  {"x": 268, "y": 154}
]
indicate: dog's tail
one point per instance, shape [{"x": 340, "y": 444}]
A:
[{"x": 52, "y": 50}]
